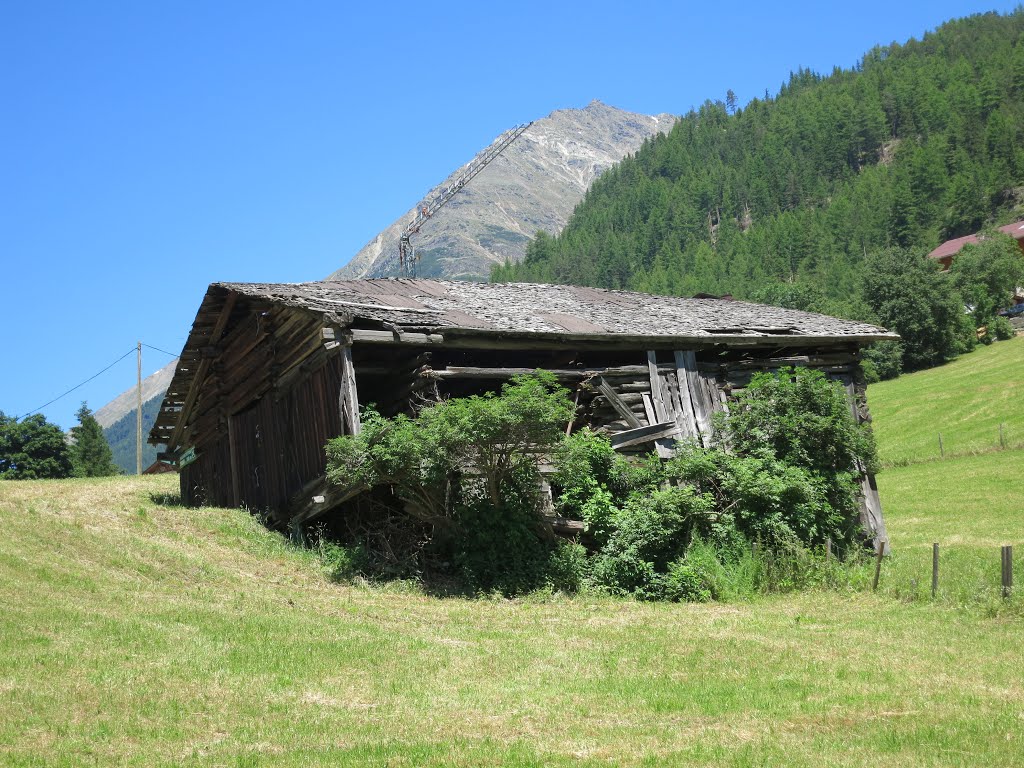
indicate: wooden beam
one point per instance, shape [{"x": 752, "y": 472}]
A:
[
  {"x": 321, "y": 500},
  {"x": 236, "y": 479},
  {"x": 474, "y": 372},
  {"x": 472, "y": 338},
  {"x": 654, "y": 432},
  {"x": 365, "y": 336}
]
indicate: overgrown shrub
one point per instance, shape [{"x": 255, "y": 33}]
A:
[
  {"x": 464, "y": 475},
  {"x": 783, "y": 472},
  {"x": 651, "y": 531}
]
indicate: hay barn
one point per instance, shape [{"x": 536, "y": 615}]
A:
[{"x": 269, "y": 373}]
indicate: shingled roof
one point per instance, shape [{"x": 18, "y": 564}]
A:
[
  {"x": 441, "y": 311},
  {"x": 548, "y": 310}
]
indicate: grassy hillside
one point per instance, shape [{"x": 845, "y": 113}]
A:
[
  {"x": 135, "y": 633},
  {"x": 964, "y": 400}
]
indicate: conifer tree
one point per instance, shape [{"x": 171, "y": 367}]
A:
[{"x": 90, "y": 455}]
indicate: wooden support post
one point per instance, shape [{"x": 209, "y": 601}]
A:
[
  {"x": 1002, "y": 442},
  {"x": 828, "y": 549},
  {"x": 348, "y": 397},
  {"x": 942, "y": 452},
  {"x": 878, "y": 565},
  {"x": 935, "y": 569},
  {"x": 1007, "y": 555},
  {"x": 575, "y": 410},
  {"x": 138, "y": 416}
]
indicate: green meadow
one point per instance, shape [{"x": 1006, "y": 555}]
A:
[
  {"x": 965, "y": 401},
  {"x": 139, "y": 633}
]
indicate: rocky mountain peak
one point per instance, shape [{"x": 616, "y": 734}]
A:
[{"x": 534, "y": 185}]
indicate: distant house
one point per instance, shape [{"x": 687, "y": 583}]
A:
[
  {"x": 945, "y": 252},
  {"x": 270, "y": 373}
]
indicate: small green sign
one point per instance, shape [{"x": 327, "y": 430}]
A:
[{"x": 187, "y": 457}]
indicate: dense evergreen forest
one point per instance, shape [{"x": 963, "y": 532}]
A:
[{"x": 792, "y": 198}]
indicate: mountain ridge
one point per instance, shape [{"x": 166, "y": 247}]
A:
[{"x": 534, "y": 185}]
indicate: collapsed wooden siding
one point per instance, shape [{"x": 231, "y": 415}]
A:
[{"x": 271, "y": 373}]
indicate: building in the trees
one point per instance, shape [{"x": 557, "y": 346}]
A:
[
  {"x": 945, "y": 252},
  {"x": 269, "y": 373}
]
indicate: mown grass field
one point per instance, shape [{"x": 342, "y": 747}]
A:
[
  {"x": 137, "y": 633},
  {"x": 964, "y": 400}
]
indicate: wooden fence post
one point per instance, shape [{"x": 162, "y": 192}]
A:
[
  {"x": 828, "y": 549},
  {"x": 1007, "y": 554},
  {"x": 942, "y": 453},
  {"x": 935, "y": 569},
  {"x": 878, "y": 564},
  {"x": 1002, "y": 441}
]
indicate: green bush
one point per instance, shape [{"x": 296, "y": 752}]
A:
[
  {"x": 481, "y": 527},
  {"x": 883, "y": 360},
  {"x": 569, "y": 567},
  {"x": 341, "y": 563},
  {"x": 651, "y": 532},
  {"x": 1001, "y": 329}
]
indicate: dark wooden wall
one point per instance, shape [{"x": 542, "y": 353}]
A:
[{"x": 265, "y": 414}]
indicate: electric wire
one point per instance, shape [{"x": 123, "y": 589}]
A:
[
  {"x": 150, "y": 346},
  {"x": 65, "y": 394}
]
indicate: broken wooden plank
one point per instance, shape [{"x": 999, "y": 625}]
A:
[
  {"x": 616, "y": 402},
  {"x": 646, "y": 434},
  {"x": 664, "y": 447},
  {"x": 348, "y": 395},
  {"x": 657, "y": 391},
  {"x": 686, "y": 365}
]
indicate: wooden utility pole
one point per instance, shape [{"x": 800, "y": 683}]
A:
[{"x": 138, "y": 417}]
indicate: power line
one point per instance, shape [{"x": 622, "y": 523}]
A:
[
  {"x": 150, "y": 346},
  {"x": 36, "y": 410}
]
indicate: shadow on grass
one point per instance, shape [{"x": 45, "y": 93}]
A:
[{"x": 166, "y": 499}]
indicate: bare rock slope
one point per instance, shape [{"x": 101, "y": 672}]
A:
[
  {"x": 152, "y": 386},
  {"x": 534, "y": 185}
]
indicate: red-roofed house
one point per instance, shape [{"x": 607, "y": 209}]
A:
[{"x": 945, "y": 252}]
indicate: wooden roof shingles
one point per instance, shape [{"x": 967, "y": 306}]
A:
[
  {"x": 528, "y": 308},
  {"x": 522, "y": 310}
]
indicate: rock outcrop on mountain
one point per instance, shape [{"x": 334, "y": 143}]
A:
[
  {"x": 152, "y": 386},
  {"x": 534, "y": 185}
]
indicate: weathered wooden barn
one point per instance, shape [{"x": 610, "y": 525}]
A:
[{"x": 270, "y": 372}]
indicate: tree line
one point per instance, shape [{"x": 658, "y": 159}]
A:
[
  {"x": 33, "y": 448},
  {"x": 816, "y": 196}
]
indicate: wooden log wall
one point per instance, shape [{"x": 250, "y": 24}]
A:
[{"x": 272, "y": 400}]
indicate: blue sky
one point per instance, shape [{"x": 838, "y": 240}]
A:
[{"x": 149, "y": 149}]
